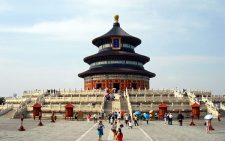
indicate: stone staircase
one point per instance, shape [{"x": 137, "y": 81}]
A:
[
  {"x": 108, "y": 107},
  {"x": 124, "y": 106}
]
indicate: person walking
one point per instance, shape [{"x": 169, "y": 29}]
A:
[
  {"x": 135, "y": 120},
  {"x": 165, "y": 118},
  {"x": 126, "y": 120},
  {"x": 113, "y": 129},
  {"x": 170, "y": 119},
  {"x": 100, "y": 130},
  {"x": 207, "y": 126},
  {"x": 180, "y": 118},
  {"x": 109, "y": 117},
  {"x": 119, "y": 116},
  {"x": 88, "y": 117},
  {"x": 130, "y": 124},
  {"x": 119, "y": 136},
  {"x": 95, "y": 118}
]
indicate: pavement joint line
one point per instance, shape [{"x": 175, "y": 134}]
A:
[
  {"x": 150, "y": 139},
  {"x": 82, "y": 136}
]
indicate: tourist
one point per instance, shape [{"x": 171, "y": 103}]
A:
[
  {"x": 112, "y": 119},
  {"x": 95, "y": 118},
  {"x": 111, "y": 97},
  {"x": 119, "y": 136},
  {"x": 104, "y": 115},
  {"x": 126, "y": 119},
  {"x": 130, "y": 124},
  {"x": 129, "y": 117},
  {"x": 88, "y": 117},
  {"x": 165, "y": 118},
  {"x": 76, "y": 116},
  {"x": 107, "y": 96},
  {"x": 100, "y": 130},
  {"x": 99, "y": 116},
  {"x": 219, "y": 116},
  {"x": 170, "y": 119},
  {"x": 156, "y": 116},
  {"x": 207, "y": 126},
  {"x": 115, "y": 115},
  {"x": 113, "y": 129},
  {"x": 109, "y": 117},
  {"x": 135, "y": 120},
  {"x": 119, "y": 116},
  {"x": 180, "y": 118},
  {"x": 147, "y": 118},
  {"x": 119, "y": 125}
]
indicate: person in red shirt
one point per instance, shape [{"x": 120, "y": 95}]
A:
[{"x": 119, "y": 136}]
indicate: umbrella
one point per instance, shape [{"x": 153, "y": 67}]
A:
[
  {"x": 209, "y": 116},
  {"x": 147, "y": 116},
  {"x": 137, "y": 113}
]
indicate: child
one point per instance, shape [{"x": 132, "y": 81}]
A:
[{"x": 130, "y": 124}]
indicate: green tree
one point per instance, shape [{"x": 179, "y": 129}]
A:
[{"x": 2, "y": 100}]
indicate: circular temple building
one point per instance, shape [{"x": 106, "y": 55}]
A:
[{"x": 116, "y": 65}]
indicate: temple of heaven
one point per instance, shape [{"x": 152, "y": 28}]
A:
[{"x": 116, "y": 65}]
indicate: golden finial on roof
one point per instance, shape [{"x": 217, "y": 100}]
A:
[{"x": 116, "y": 18}]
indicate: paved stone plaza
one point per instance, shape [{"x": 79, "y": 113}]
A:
[{"x": 84, "y": 131}]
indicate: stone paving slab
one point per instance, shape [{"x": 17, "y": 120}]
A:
[{"x": 87, "y": 131}]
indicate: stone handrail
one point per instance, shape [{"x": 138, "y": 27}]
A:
[
  {"x": 72, "y": 99},
  {"x": 201, "y": 92},
  {"x": 16, "y": 100},
  {"x": 158, "y": 99},
  {"x": 191, "y": 97},
  {"x": 78, "y": 92},
  {"x": 217, "y": 98},
  {"x": 145, "y": 91},
  {"x": 177, "y": 94},
  {"x": 6, "y": 110},
  {"x": 211, "y": 107},
  {"x": 103, "y": 104},
  {"x": 213, "y": 111},
  {"x": 222, "y": 107},
  {"x": 128, "y": 103}
]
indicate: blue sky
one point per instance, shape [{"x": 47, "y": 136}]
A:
[{"x": 43, "y": 43}]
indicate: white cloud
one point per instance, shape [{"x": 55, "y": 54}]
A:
[
  {"x": 79, "y": 29},
  {"x": 74, "y": 29}
]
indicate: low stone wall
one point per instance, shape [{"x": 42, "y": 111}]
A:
[{"x": 4, "y": 111}]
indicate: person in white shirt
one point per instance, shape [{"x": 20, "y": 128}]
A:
[
  {"x": 130, "y": 124},
  {"x": 170, "y": 118}
]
